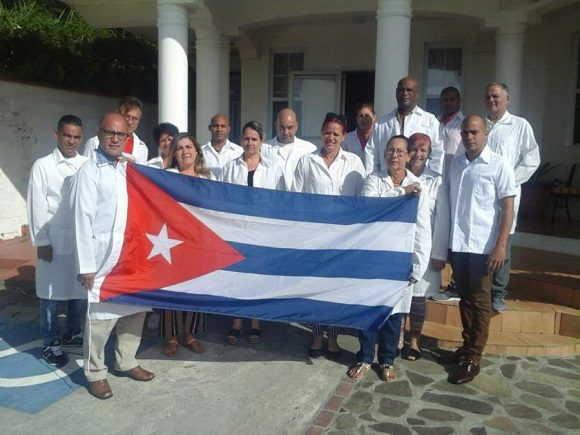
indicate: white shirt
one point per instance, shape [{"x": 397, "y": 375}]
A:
[
  {"x": 513, "y": 138},
  {"x": 468, "y": 211},
  {"x": 381, "y": 185},
  {"x": 140, "y": 151},
  {"x": 417, "y": 121},
  {"x": 343, "y": 177},
  {"x": 215, "y": 161},
  {"x": 156, "y": 162},
  {"x": 94, "y": 201},
  {"x": 50, "y": 223},
  {"x": 287, "y": 155},
  {"x": 268, "y": 174},
  {"x": 451, "y": 134},
  {"x": 351, "y": 144}
]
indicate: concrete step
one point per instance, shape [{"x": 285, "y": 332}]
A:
[
  {"x": 520, "y": 317},
  {"x": 507, "y": 343}
]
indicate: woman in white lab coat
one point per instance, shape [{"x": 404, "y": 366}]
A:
[
  {"x": 253, "y": 170},
  {"x": 330, "y": 171}
]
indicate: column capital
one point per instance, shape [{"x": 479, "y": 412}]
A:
[
  {"x": 391, "y": 8},
  {"x": 171, "y": 14}
]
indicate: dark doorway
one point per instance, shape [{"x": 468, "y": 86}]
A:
[{"x": 359, "y": 86}]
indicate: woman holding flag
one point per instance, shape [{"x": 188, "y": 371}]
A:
[
  {"x": 185, "y": 157},
  {"x": 397, "y": 181},
  {"x": 329, "y": 171},
  {"x": 253, "y": 170}
]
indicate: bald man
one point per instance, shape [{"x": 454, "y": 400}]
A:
[
  {"x": 95, "y": 208},
  {"x": 285, "y": 147},
  {"x": 219, "y": 150},
  {"x": 406, "y": 119}
]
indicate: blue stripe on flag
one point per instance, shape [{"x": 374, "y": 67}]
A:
[
  {"x": 275, "y": 204},
  {"x": 328, "y": 263},
  {"x": 281, "y": 310}
]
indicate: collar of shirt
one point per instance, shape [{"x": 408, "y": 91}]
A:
[
  {"x": 483, "y": 157},
  {"x": 59, "y": 158},
  {"x": 341, "y": 154},
  {"x": 506, "y": 119},
  {"x": 104, "y": 159},
  {"x": 445, "y": 119}
]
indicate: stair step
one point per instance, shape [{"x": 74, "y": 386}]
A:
[
  {"x": 520, "y": 317},
  {"x": 507, "y": 343}
]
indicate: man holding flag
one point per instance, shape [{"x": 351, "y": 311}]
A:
[{"x": 95, "y": 196}]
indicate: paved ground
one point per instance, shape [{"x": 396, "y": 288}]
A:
[{"x": 273, "y": 388}]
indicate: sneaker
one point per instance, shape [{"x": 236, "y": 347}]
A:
[
  {"x": 498, "y": 304},
  {"x": 153, "y": 321},
  {"x": 54, "y": 355},
  {"x": 75, "y": 340},
  {"x": 448, "y": 295}
]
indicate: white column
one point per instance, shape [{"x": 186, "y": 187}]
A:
[
  {"x": 208, "y": 79},
  {"x": 392, "y": 57},
  {"x": 172, "y": 25},
  {"x": 508, "y": 60},
  {"x": 225, "y": 76}
]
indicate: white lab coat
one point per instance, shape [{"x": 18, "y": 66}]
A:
[
  {"x": 95, "y": 191},
  {"x": 351, "y": 144},
  {"x": 512, "y": 137},
  {"x": 344, "y": 176},
  {"x": 268, "y": 174},
  {"x": 215, "y": 161},
  {"x": 451, "y": 135},
  {"x": 381, "y": 185},
  {"x": 50, "y": 221},
  {"x": 287, "y": 155},
  {"x": 140, "y": 151},
  {"x": 418, "y": 121}
]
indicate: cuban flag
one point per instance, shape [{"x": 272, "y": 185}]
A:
[{"x": 188, "y": 243}]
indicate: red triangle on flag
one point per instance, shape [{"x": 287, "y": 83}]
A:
[{"x": 163, "y": 244}]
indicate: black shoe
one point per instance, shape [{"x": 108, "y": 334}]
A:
[
  {"x": 333, "y": 355},
  {"x": 465, "y": 371},
  {"x": 54, "y": 355},
  {"x": 315, "y": 353},
  {"x": 450, "y": 358},
  {"x": 74, "y": 340}
]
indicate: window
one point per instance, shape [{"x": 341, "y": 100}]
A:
[
  {"x": 282, "y": 65},
  {"x": 576, "y": 137},
  {"x": 444, "y": 68}
]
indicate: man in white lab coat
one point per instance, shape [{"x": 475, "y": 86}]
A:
[
  {"x": 50, "y": 232},
  {"x": 131, "y": 108},
  {"x": 511, "y": 137},
  {"x": 407, "y": 118},
  {"x": 220, "y": 150},
  {"x": 94, "y": 202},
  {"x": 285, "y": 148}
]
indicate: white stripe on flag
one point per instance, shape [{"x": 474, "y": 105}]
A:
[
  {"x": 369, "y": 292},
  {"x": 376, "y": 236}
]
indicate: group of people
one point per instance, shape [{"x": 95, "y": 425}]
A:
[{"x": 466, "y": 172}]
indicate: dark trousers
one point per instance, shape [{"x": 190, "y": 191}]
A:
[
  {"x": 502, "y": 276},
  {"x": 388, "y": 339},
  {"x": 474, "y": 287}
]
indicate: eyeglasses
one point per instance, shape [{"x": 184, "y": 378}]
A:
[
  {"x": 399, "y": 153},
  {"x": 331, "y": 115},
  {"x": 108, "y": 134}
]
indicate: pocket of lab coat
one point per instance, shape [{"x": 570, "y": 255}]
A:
[{"x": 61, "y": 241}]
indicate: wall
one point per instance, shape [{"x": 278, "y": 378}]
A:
[{"x": 27, "y": 122}]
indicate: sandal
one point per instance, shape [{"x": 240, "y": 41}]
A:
[
  {"x": 233, "y": 337},
  {"x": 254, "y": 336},
  {"x": 387, "y": 373},
  {"x": 194, "y": 345},
  {"x": 170, "y": 349},
  {"x": 411, "y": 354},
  {"x": 358, "y": 371}
]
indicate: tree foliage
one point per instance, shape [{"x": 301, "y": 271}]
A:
[{"x": 47, "y": 42}]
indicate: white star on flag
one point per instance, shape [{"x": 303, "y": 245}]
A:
[{"x": 162, "y": 244}]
